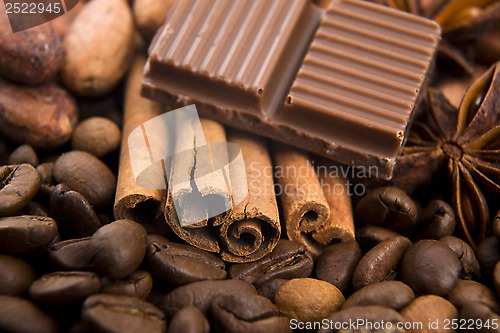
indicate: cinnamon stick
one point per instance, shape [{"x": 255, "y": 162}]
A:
[
  {"x": 305, "y": 209},
  {"x": 133, "y": 202},
  {"x": 252, "y": 228}
]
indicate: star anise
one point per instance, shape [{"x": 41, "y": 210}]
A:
[{"x": 464, "y": 142}]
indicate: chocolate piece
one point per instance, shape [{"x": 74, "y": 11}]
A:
[{"x": 344, "y": 90}]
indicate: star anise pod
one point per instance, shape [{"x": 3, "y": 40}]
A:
[{"x": 464, "y": 142}]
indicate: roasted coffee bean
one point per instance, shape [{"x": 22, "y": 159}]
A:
[
  {"x": 381, "y": 262},
  {"x": 488, "y": 253},
  {"x": 138, "y": 285},
  {"x": 429, "y": 309},
  {"x": 16, "y": 276},
  {"x": 36, "y": 209},
  {"x": 389, "y": 207},
  {"x": 437, "y": 220},
  {"x": 23, "y": 316},
  {"x": 24, "y": 154},
  {"x": 390, "y": 294},
  {"x": 60, "y": 288},
  {"x": 288, "y": 260},
  {"x": 478, "y": 318},
  {"x": 119, "y": 248},
  {"x": 25, "y": 234},
  {"x": 496, "y": 225},
  {"x": 73, "y": 213},
  {"x": 18, "y": 185},
  {"x": 371, "y": 313},
  {"x": 371, "y": 235},
  {"x": 71, "y": 254},
  {"x": 87, "y": 175},
  {"x": 270, "y": 287},
  {"x": 496, "y": 278},
  {"x": 430, "y": 267},
  {"x": 464, "y": 253},
  {"x": 97, "y": 136},
  {"x": 201, "y": 294},
  {"x": 307, "y": 299},
  {"x": 189, "y": 320},
  {"x": 119, "y": 313},
  {"x": 471, "y": 291},
  {"x": 46, "y": 173},
  {"x": 337, "y": 262},
  {"x": 179, "y": 264},
  {"x": 240, "y": 312}
]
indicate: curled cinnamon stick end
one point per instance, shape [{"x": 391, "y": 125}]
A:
[
  {"x": 252, "y": 228},
  {"x": 340, "y": 224},
  {"x": 132, "y": 202},
  {"x": 305, "y": 208}
]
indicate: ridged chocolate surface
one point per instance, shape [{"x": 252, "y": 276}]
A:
[
  {"x": 244, "y": 48},
  {"x": 361, "y": 76},
  {"x": 341, "y": 83}
]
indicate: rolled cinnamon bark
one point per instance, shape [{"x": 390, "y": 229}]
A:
[
  {"x": 203, "y": 234},
  {"x": 305, "y": 209},
  {"x": 249, "y": 230},
  {"x": 132, "y": 202},
  {"x": 252, "y": 228},
  {"x": 340, "y": 224}
]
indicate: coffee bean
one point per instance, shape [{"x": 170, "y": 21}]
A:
[
  {"x": 496, "y": 225},
  {"x": 87, "y": 175},
  {"x": 74, "y": 214},
  {"x": 35, "y": 208},
  {"x": 201, "y": 293},
  {"x": 337, "y": 262},
  {"x": 71, "y": 254},
  {"x": 16, "y": 276},
  {"x": 488, "y": 253},
  {"x": 138, "y": 285},
  {"x": 189, "y": 320},
  {"x": 119, "y": 313},
  {"x": 371, "y": 235},
  {"x": 119, "y": 248},
  {"x": 479, "y": 318},
  {"x": 97, "y": 136},
  {"x": 430, "y": 267},
  {"x": 430, "y": 308},
  {"x": 464, "y": 253},
  {"x": 20, "y": 315},
  {"x": 371, "y": 313},
  {"x": 41, "y": 116},
  {"x": 25, "y": 234},
  {"x": 60, "y": 288},
  {"x": 471, "y": 291},
  {"x": 496, "y": 278},
  {"x": 179, "y": 264},
  {"x": 308, "y": 299},
  {"x": 18, "y": 185},
  {"x": 381, "y": 262},
  {"x": 24, "y": 154},
  {"x": 288, "y": 260},
  {"x": 240, "y": 312},
  {"x": 270, "y": 287},
  {"x": 437, "y": 220},
  {"x": 389, "y": 294},
  {"x": 389, "y": 207},
  {"x": 46, "y": 173}
]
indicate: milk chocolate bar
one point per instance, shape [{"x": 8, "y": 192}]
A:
[{"x": 340, "y": 82}]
